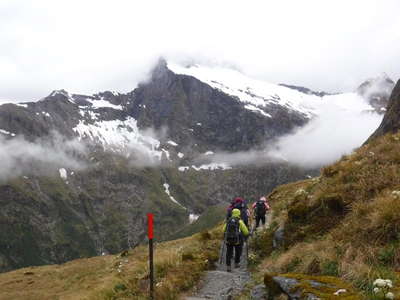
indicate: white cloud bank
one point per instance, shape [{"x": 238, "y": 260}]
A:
[
  {"x": 21, "y": 157},
  {"x": 326, "y": 138},
  {"x": 93, "y": 45},
  {"x": 343, "y": 123}
]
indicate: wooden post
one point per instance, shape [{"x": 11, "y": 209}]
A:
[{"x": 150, "y": 235}]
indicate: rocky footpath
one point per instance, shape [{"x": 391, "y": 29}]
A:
[{"x": 222, "y": 285}]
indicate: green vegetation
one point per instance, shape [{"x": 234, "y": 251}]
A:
[
  {"x": 345, "y": 223},
  {"x": 179, "y": 265},
  {"x": 209, "y": 219}
]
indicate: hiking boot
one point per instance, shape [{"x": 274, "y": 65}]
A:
[
  {"x": 229, "y": 269},
  {"x": 237, "y": 265}
]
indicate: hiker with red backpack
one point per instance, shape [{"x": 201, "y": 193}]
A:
[
  {"x": 260, "y": 208},
  {"x": 240, "y": 204},
  {"x": 235, "y": 232}
]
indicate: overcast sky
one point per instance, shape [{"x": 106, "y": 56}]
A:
[{"x": 89, "y": 46}]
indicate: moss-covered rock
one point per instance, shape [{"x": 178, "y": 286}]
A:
[
  {"x": 273, "y": 288},
  {"x": 300, "y": 286}
]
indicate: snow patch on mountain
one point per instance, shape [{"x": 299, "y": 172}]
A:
[
  {"x": 100, "y": 103},
  {"x": 256, "y": 109},
  {"x": 6, "y": 132},
  {"x": 210, "y": 166},
  {"x": 119, "y": 135},
  {"x": 21, "y": 105},
  {"x": 213, "y": 166},
  {"x": 172, "y": 143},
  {"x": 63, "y": 173},
  {"x": 167, "y": 191},
  {"x": 193, "y": 218}
]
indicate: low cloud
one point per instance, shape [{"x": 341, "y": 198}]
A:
[
  {"x": 335, "y": 132},
  {"x": 376, "y": 87},
  {"x": 242, "y": 158},
  {"x": 21, "y": 157},
  {"x": 146, "y": 151},
  {"x": 326, "y": 138},
  {"x": 47, "y": 45}
]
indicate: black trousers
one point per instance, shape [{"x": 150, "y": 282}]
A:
[
  {"x": 229, "y": 253},
  {"x": 260, "y": 218}
]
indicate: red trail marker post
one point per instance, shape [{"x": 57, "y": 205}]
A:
[{"x": 150, "y": 234}]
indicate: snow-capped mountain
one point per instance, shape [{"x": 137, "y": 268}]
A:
[
  {"x": 198, "y": 108},
  {"x": 260, "y": 96},
  {"x": 147, "y": 150}
]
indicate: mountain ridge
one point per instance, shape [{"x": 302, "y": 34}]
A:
[
  {"x": 62, "y": 213},
  {"x": 152, "y": 149}
]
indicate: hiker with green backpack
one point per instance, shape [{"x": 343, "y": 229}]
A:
[{"x": 235, "y": 232}]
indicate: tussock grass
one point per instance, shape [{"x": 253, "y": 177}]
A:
[
  {"x": 179, "y": 265},
  {"x": 346, "y": 222}
]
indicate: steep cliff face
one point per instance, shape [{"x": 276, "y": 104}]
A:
[
  {"x": 198, "y": 115},
  {"x": 391, "y": 120}
]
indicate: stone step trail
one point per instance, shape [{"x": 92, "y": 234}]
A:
[{"x": 222, "y": 285}]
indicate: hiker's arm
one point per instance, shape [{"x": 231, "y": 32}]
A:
[{"x": 243, "y": 228}]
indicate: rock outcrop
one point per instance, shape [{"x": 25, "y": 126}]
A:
[{"x": 391, "y": 120}]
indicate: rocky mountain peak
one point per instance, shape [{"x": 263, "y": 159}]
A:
[
  {"x": 59, "y": 92},
  {"x": 391, "y": 120},
  {"x": 377, "y": 91},
  {"x": 160, "y": 70}
]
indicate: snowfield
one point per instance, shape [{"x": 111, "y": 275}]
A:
[
  {"x": 256, "y": 95},
  {"x": 119, "y": 135},
  {"x": 103, "y": 103}
]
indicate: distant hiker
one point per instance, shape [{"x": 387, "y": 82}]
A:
[
  {"x": 234, "y": 232},
  {"x": 241, "y": 205},
  {"x": 260, "y": 208}
]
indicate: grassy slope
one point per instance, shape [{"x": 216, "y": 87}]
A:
[
  {"x": 345, "y": 223},
  {"x": 178, "y": 265},
  {"x": 207, "y": 220}
]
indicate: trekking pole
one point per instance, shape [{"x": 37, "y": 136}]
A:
[
  {"x": 247, "y": 251},
  {"x": 221, "y": 255}
]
